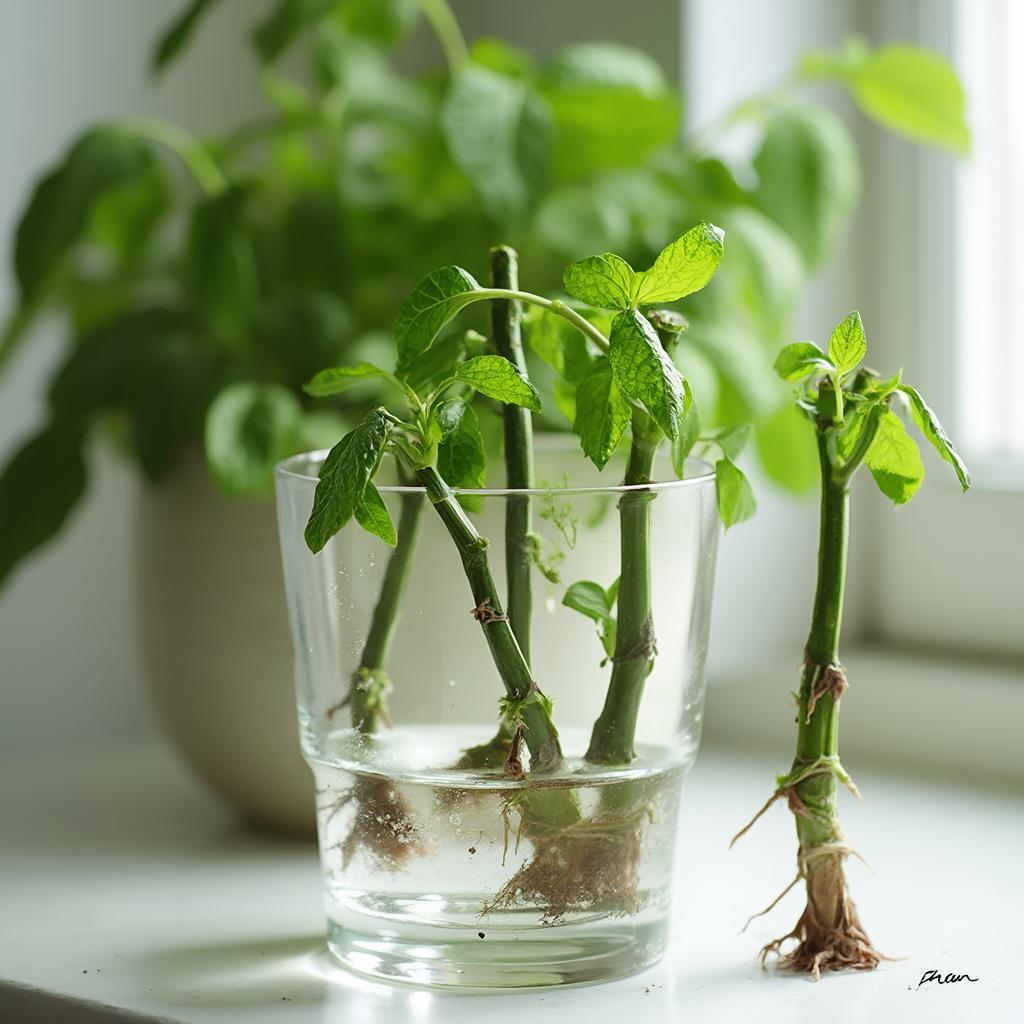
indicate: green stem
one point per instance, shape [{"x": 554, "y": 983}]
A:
[
  {"x": 581, "y": 323},
  {"x": 192, "y": 153},
  {"x": 448, "y": 33},
  {"x": 818, "y": 733},
  {"x": 541, "y": 735},
  {"x": 614, "y": 733},
  {"x": 368, "y": 696},
  {"x": 519, "y": 475}
]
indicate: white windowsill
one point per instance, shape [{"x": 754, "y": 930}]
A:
[{"x": 128, "y": 894}]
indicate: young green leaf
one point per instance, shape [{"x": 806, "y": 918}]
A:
[
  {"x": 644, "y": 372},
  {"x": 99, "y": 162},
  {"x": 809, "y": 178},
  {"x": 559, "y": 344},
  {"x": 372, "y": 515},
  {"x": 177, "y": 35},
  {"x": 496, "y": 377},
  {"x": 461, "y": 456},
  {"x": 929, "y": 425},
  {"x": 346, "y": 471},
  {"x": 249, "y": 428},
  {"x": 847, "y": 346},
  {"x": 498, "y": 132},
  {"x": 736, "y": 500},
  {"x": 914, "y": 92},
  {"x": 894, "y": 460},
  {"x": 337, "y": 379},
  {"x": 601, "y": 413},
  {"x": 588, "y": 599},
  {"x": 800, "y": 360},
  {"x": 605, "y": 281},
  {"x": 38, "y": 489},
  {"x": 432, "y": 303},
  {"x": 682, "y": 444},
  {"x": 683, "y": 267}
]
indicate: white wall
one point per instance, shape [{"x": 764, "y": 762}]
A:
[{"x": 68, "y": 657}]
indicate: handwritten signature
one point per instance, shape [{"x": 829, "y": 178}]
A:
[{"x": 943, "y": 979}]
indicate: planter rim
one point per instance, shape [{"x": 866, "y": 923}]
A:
[{"x": 703, "y": 475}]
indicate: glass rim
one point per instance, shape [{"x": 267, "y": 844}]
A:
[{"x": 285, "y": 470}]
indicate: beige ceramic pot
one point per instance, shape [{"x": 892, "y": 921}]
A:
[{"x": 216, "y": 645}]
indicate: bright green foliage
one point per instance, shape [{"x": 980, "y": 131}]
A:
[
  {"x": 683, "y": 443},
  {"x": 602, "y": 414},
  {"x": 643, "y": 370},
  {"x": 249, "y": 428},
  {"x": 736, "y": 501},
  {"x": 912, "y": 91},
  {"x": 433, "y": 302},
  {"x": 847, "y": 345},
  {"x": 894, "y": 460},
  {"x": 282, "y": 245},
  {"x": 499, "y": 134},
  {"x": 496, "y": 377},
  {"x": 683, "y": 267},
  {"x": 851, "y": 411},
  {"x": 809, "y": 179},
  {"x": 604, "y": 281},
  {"x": 596, "y": 603},
  {"x": 338, "y": 379},
  {"x": 372, "y": 515},
  {"x": 929, "y": 425},
  {"x": 347, "y": 470},
  {"x": 461, "y": 458}
]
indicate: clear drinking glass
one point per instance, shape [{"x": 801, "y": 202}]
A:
[{"x": 442, "y": 864}]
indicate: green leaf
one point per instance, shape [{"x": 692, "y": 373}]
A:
[
  {"x": 914, "y": 92},
  {"x": 894, "y": 460},
  {"x": 372, "y": 515},
  {"x": 38, "y": 489},
  {"x": 337, "y": 379},
  {"x": 434, "y": 365},
  {"x": 496, "y": 377},
  {"x": 559, "y": 344},
  {"x": 383, "y": 21},
  {"x": 809, "y": 179},
  {"x": 683, "y": 442},
  {"x": 586, "y": 65},
  {"x": 787, "y": 449},
  {"x": 177, "y": 35},
  {"x": 644, "y": 372},
  {"x": 62, "y": 203},
  {"x": 929, "y": 425},
  {"x": 250, "y": 427},
  {"x": 736, "y": 501},
  {"x": 601, "y": 127},
  {"x": 461, "y": 457},
  {"x": 221, "y": 263},
  {"x": 588, "y": 599},
  {"x": 498, "y": 132},
  {"x": 731, "y": 440},
  {"x": 683, "y": 267},
  {"x": 276, "y": 31},
  {"x": 346, "y": 471},
  {"x": 431, "y": 304},
  {"x": 605, "y": 281},
  {"x": 800, "y": 360},
  {"x": 601, "y": 413},
  {"x": 847, "y": 346}
]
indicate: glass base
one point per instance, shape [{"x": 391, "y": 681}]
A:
[{"x": 497, "y": 951}]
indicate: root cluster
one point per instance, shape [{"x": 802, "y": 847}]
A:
[
  {"x": 381, "y": 827},
  {"x": 829, "y": 935},
  {"x": 591, "y": 864}
]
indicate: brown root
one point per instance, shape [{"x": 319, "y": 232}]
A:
[
  {"x": 829, "y": 935},
  {"x": 593, "y": 863},
  {"x": 381, "y": 827}
]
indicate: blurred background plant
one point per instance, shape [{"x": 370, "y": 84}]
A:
[{"x": 202, "y": 281}]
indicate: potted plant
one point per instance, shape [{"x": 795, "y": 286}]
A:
[
  {"x": 484, "y": 821},
  {"x": 851, "y": 411},
  {"x": 201, "y": 282}
]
